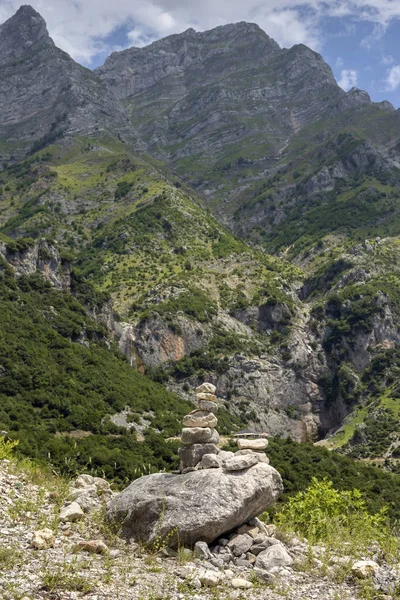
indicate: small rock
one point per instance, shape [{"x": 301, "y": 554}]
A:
[
  {"x": 211, "y": 461},
  {"x": 209, "y": 578},
  {"x": 71, "y": 513},
  {"x": 202, "y": 551},
  {"x": 364, "y": 568},
  {"x": 243, "y": 562},
  {"x": 200, "y": 418},
  {"x": 199, "y": 435},
  {"x": 207, "y": 405},
  {"x": 89, "y": 490},
  {"x": 241, "y": 584},
  {"x": 267, "y": 542},
  {"x": 259, "y": 444},
  {"x": 275, "y": 556},
  {"x": 93, "y": 546},
  {"x": 83, "y": 481},
  {"x": 115, "y": 553},
  {"x": 218, "y": 562},
  {"x": 239, "y": 463},
  {"x": 240, "y": 544},
  {"x": 207, "y": 388},
  {"x": 43, "y": 539}
]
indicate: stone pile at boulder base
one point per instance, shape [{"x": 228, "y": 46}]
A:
[{"x": 215, "y": 492}]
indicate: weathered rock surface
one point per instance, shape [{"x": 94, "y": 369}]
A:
[
  {"x": 200, "y": 418},
  {"x": 245, "y": 444},
  {"x": 42, "y": 539},
  {"x": 199, "y": 435},
  {"x": 364, "y": 568},
  {"x": 201, "y": 505},
  {"x": 191, "y": 455},
  {"x": 275, "y": 556},
  {"x": 72, "y": 512},
  {"x": 238, "y": 463}
]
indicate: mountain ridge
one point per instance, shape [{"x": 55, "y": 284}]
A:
[{"x": 299, "y": 339}]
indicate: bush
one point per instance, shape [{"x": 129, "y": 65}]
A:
[{"x": 324, "y": 514}]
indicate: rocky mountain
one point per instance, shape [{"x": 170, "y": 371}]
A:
[
  {"x": 131, "y": 175},
  {"x": 44, "y": 94}
]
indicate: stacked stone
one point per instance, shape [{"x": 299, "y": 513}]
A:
[
  {"x": 199, "y": 436},
  {"x": 251, "y": 452}
]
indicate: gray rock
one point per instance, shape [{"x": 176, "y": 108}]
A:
[
  {"x": 275, "y": 556},
  {"x": 208, "y": 405},
  {"x": 211, "y": 461},
  {"x": 200, "y": 418},
  {"x": 267, "y": 542},
  {"x": 199, "y": 435},
  {"x": 217, "y": 562},
  {"x": 243, "y": 562},
  {"x": 226, "y": 455},
  {"x": 202, "y": 551},
  {"x": 72, "y": 512},
  {"x": 191, "y": 455},
  {"x": 198, "y": 506},
  {"x": 244, "y": 444},
  {"x": 240, "y": 544},
  {"x": 239, "y": 463},
  {"x": 206, "y": 388}
]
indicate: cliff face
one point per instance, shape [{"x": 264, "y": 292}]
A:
[
  {"x": 220, "y": 95},
  {"x": 44, "y": 94}
]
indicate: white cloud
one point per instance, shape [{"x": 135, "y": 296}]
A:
[
  {"x": 392, "y": 80},
  {"x": 348, "y": 79},
  {"x": 82, "y": 27},
  {"x": 387, "y": 60},
  {"x": 339, "y": 62}
]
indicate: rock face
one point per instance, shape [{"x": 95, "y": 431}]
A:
[
  {"x": 43, "y": 92},
  {"x": 200, "y": 505}
]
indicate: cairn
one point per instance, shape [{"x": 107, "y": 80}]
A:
[
  {"x": 191, "y": 499},
  {"x": 200, "y": 438}
]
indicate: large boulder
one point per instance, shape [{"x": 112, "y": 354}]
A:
[{"x": 200, "y": 505}]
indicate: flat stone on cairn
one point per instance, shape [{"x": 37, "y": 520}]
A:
[
  {"x": 200, "y": 418},
  {"x": 258, "y": 444}
]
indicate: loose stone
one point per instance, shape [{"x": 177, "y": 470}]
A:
[
  {"x": 259, "y": 444},
  {"x": 241, "y": 584}
]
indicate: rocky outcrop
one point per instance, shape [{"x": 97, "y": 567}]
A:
[
  {"x": 41, "y": 257},
  {"x": 44, "y": 94}
]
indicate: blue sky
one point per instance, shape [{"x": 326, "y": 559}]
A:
[{"x": 360, "y": 39}]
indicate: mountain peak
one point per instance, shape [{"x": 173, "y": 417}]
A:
[
  {"x": 27, "y": 11},
  {"x": 22, "y": 33}
]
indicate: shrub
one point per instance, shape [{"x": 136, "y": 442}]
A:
[{"x": 324, "y": 514}]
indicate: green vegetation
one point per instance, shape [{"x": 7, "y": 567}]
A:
[
  {"x": 58, "y": 375},
  {"x": 337, "y": 518}
]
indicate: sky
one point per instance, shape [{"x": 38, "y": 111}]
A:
[{"x": 360, "y": 39}]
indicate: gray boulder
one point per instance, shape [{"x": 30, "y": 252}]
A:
[
  {"x": 275, "y": 556},
  {"x": 198, "y": 506}
]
